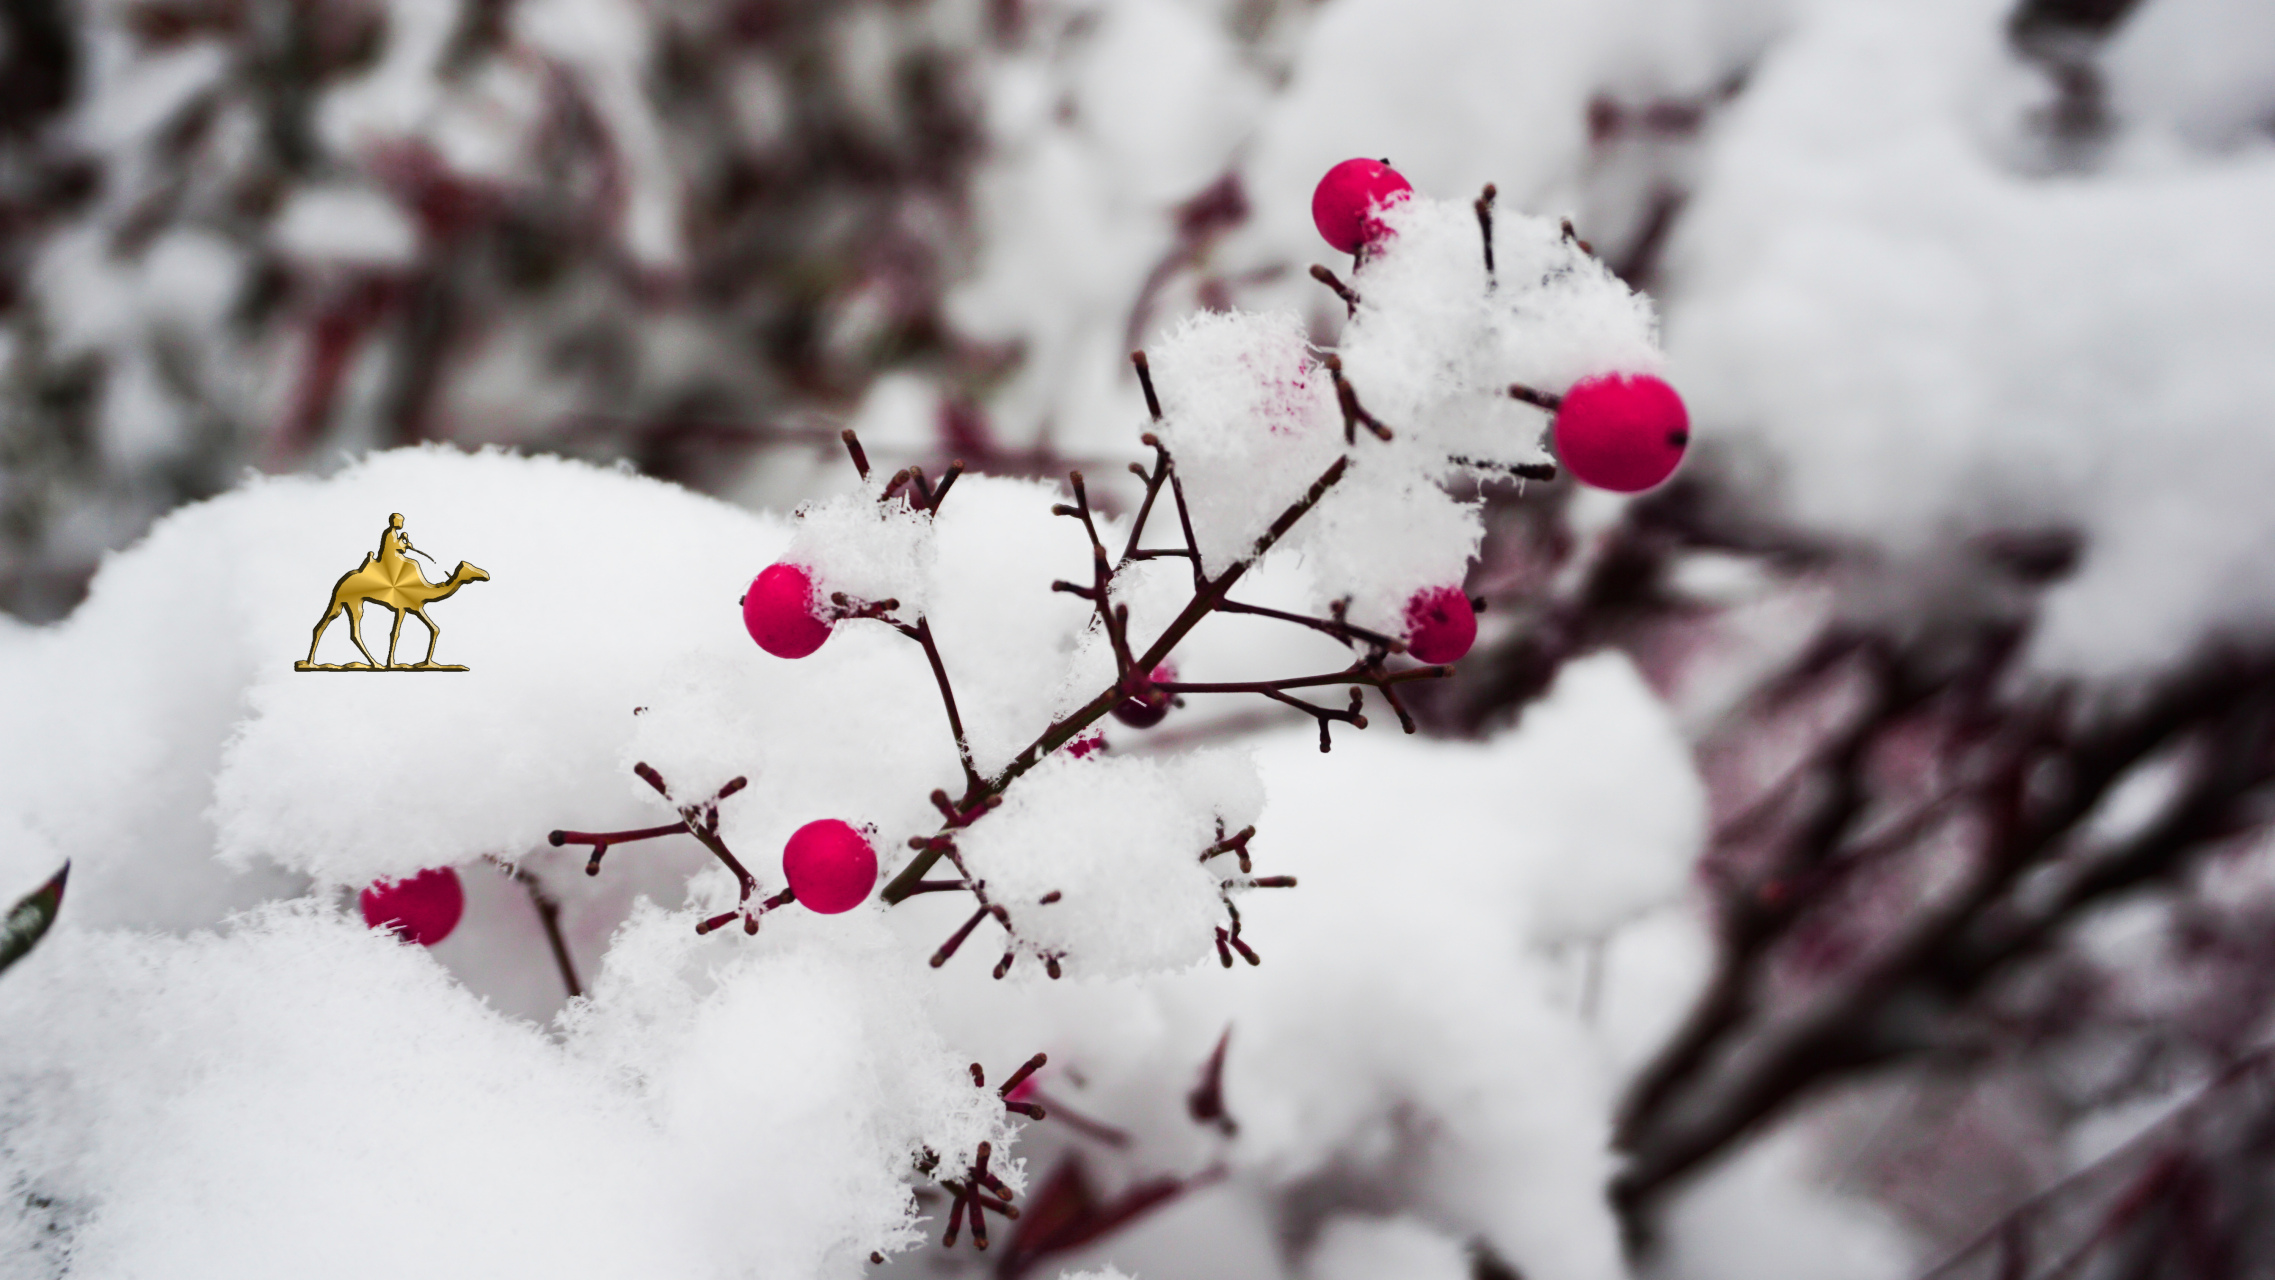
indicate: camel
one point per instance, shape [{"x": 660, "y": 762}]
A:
[{"x": 391, "y": 582}]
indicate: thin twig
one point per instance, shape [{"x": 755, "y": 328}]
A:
[
  {"x": 1334, "y": 282},
  {"x": 1485, "y": 225}
]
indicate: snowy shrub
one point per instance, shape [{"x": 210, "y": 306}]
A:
[{"x": 784, "y": 1095}]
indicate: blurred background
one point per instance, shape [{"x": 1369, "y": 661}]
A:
[{"x": 1965, "y": 595}]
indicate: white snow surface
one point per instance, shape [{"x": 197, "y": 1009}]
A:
[
  {"x": 1359, "y": 1248},
  {"x": 299, "y": 1095},
  {"x": 276, "y": 1091},
  {"x": 1127, "y": 834},
  {"x": 1932, "y": 339}
]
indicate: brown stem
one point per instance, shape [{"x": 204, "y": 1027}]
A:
[
  {"x": 1335, "y": 627},
  {"x": 1485, "y": 225},
  {"x": 956, "y": 939},
  {"x": 601, "y": 840},
  {"x": 1145, "y": 381},
  {"x": 1355, "y": 415},
  {"x": 549, "y": 915},
  {"x": 1185, "y": 525},
  {"x": 1542, "y": 471},
  {"x": 922, "y": 633},
  {"x": 1341, "y": 290},
  {"x": 1537, "y": 399},
  {"x": 1205, "y": 601},
  {"x": 1101, "y": 575},
  {"x": 1019, "y": 1077},
  {"x": 1372, "y": 677},
  {"x": 1153, "y": 481},
  {"x": 947, "y": 482}
]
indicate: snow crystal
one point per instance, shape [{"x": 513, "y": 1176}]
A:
[
  {"x": 304, "y": 1096},
  {"x": 871, "y": 550},
  {"x": 1435, "y": 345},
  {"x": 1379, "y": 538},
  {"x": 1118, "y": 841},
  {"x": 1250, "y": 418},
  {"x": 799, "y": 1068},
  {"x": 323, "y": 1099}
]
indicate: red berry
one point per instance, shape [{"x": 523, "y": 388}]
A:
[
  {"x": 423, "y": 909},
  {"x": 1343, "y": 205},
  {"x": 831, "y": 868},
  {"x": 1622, "y": 432},
  {"x": 1440, "y": 624},
  {"x": 1146, "y": 712},
  {"x": 779, "y": 612}
]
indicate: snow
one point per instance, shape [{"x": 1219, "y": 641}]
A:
[
  {"x": 300, "y": 1094},
  {"x": 1118, "y": 840},
  {"x": 1356, "y": 1248},
  {"x": 736, "y": 1104},
  {"x": 1250, "y": 416},
  {"x": 1900, "y": 313},
  {"x": 1931, "y": 343},
  {"x": 868, "y": 548},
  {"x": 337, "y": 224}
]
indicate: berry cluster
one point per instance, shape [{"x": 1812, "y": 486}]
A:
[
  {"x": 1617, "y": 430},
  {"x": 1620, "y": 431}
]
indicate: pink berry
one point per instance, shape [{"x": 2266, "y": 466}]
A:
[
  {"x": 1622, "y": 432},
  {"x": 831, "y": 868},
  {"x": 1146, "y": 712},
  {"x": 779, "y": 612},
  {"x": 1344, "y": 204},
  {"x": 423, "y": 909},
  {"x": 1440, "y": 624},
  {"x": 1087, "y": 745}
]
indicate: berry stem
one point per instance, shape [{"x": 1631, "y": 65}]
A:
[
  {"x": 601, "y": 840},
  {"x": 549, "y": 915},
  {"x": 1145, "y": 382},
  {"x": 1019, "y": 1077},
  {"x": 1542, "y": 471},
  {"x": 1341, "y": 290},
  {"x": 922, "y": 634},
  {"x": 1538, "y": 399},
  {"x": 1100, "y": 593},
  {"x": 1355, "y": 415},
  {"x": 1335, "y": 627},
  {"x": 1153, "y": 481},
  {"x": 1208, "y": 596},
  {"x": 947, "y": 482},
  {"x": 1357, "y": 674},
  {"x": 1485, "y": 227}
]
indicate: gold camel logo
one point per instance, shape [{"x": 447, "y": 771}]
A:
[{"x": 391, "y": 580}]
